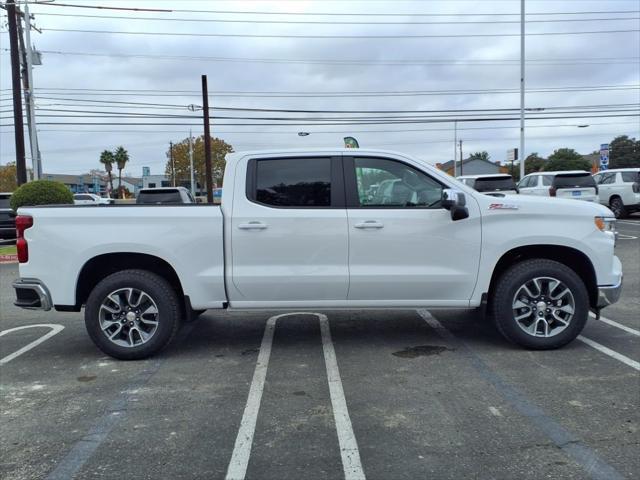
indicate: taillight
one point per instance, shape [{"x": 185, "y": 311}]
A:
[
  {"x": 22, "y": 223},
  {"x": 636, "y": 187},
  {"x": 552, "y": 191}
]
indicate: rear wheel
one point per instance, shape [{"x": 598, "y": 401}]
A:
[
  {"x": 540, "y": 304},
  {"x": 617, "y": 207},
  {"x": 132, "y": 314}
]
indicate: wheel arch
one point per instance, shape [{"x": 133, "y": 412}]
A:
[
  {"x": 101, "y": 266},
  {"x": 571, "y": 257}
]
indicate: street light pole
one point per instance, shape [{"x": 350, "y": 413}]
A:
[
  {"x": 173, "y": 167},
  {"x": 33, "y": 134},
  {"x": 193, "y": 192},
  {"x": 522, "y": 52},
  {"x": 207, "y": 140},
  {"x": 455, "y": 148}
]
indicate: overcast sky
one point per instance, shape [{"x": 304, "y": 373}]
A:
[{"x": 485, "y": 63}]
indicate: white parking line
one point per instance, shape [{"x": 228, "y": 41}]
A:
[
  {"x": 350, "y": 455},
  {"x": 55, "y": 329},
  {"x": 608, "y": 321},
  {"x": 612, "y": 353}
]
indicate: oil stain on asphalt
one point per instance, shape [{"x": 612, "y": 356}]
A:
[{"x": 420, "y": 351}]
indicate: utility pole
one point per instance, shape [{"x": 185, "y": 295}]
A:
[
  {"x": 173, "y": 167},
  {"x": 18, "y": 126},
  {"x": 455, "y": 150},
  {"x": 522, "y": 155},
  {"x": 29, "y": 93},
  {"x": 193, "y": 191},
  {"x": 207, "y": 140},
  {"x": 461, "y": 158}
]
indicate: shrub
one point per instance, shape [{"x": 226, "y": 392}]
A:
[{"x": 41, "y": 192}]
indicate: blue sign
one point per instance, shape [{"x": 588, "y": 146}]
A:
[
  {"x": 217, "y": 193},
  {"x": 604, "y": 156}
]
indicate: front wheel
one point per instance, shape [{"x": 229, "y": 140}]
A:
[
  {"x": 540, "y": 304},
  {"x": 617, "y": 207},
  {"x": 132, "y": 314}
]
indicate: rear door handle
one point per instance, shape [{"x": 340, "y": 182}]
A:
[
  {"x": 252, "y": 226},
  {"x": 369, "y": 224}
]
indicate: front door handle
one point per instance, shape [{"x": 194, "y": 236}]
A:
[
  {"x": 369, "y": 224},
  {"x": 252, "y": 226}
]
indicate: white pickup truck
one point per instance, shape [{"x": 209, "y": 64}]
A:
[{"x": 318, "y": 230}]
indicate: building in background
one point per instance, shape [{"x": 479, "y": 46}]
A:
[{"x": 80, "y": 183}]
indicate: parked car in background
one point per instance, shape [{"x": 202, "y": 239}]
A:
[
  {"x": 574, "y": 184},
  {"x": 7, "y": 217},
  {"x": 164, "y": 195},
  {"x": 619, "y": 189},
  {"x": 90, "y": 199},
  {"x": 495, "y": 184}
]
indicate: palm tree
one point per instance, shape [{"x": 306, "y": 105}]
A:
[
  {"x": 121, "y": 156},
  {"x": 106, "y": 158}
]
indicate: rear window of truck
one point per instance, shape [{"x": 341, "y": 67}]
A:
[
  {"x": 159, "y": 196},
  {"x": 574, "y": 180},
  {"x": 491, "y": 184},
  {"x": 4, "y": 201}
]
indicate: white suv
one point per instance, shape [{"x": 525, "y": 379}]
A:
[
  {"x": 498, "y": 184},
  {"x": 619, "y": 189},
  {"x": 575, "y": 184}
]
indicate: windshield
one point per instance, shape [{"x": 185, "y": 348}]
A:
[
  {"x": 574, "y": 180},
  {"x": 493, "y": 184},
  {"x": 159, "y": 196}
]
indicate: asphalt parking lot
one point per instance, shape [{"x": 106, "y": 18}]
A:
[{"x": 381, "y": 394}]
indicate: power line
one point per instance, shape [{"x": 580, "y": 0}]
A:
[
  {"x": 356, "y": 37},
  {"x": 333, "y": 14},
  {"x": 334, "y": 22},
  {"x": 432, "y": 62},
  {"x": 346, "y": 123},
  {"x": 310, "y": 94}
]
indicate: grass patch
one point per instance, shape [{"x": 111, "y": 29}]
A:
[{"x": 8, "y": 250}]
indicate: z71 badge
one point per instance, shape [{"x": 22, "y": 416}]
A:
[{"x": 503, "y": 206}]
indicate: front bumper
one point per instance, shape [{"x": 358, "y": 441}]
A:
[
  {"x": 32, "y": 294},
  {"x": 609, "y": 294}
]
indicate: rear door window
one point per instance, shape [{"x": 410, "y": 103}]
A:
[
  {"x": 547, "y": 180},
  {"x": 630, "y": 177},
  {"x": 575, "y": 180},
  {"x": 292, "y": 182},
  {"x": 492, "y": 184}
]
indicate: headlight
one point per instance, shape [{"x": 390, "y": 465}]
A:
[{"x": 605, "y": 224}]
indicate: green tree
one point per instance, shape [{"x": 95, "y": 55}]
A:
[
  {"x": 219, "y": 148},
  {"x": 624, "y": 152},
  {"x": 566, "y": 159},
  {"x": 8, "y": 177},
  {"x": 480, "y": 156},
  {"x": 107, "y": 159},
  {"x": 534, "y": 163},
  {"x": 121, "y": 157}
]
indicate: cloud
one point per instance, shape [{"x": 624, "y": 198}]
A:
[{"x": 75, "y": 149}]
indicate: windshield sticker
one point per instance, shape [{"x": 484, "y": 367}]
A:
[{"x": 503, "y": 206}]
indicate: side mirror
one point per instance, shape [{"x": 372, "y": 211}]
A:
[{"x": 455, "y": 202}]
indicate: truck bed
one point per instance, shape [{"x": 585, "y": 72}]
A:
[{"x": 187, "y": 237}]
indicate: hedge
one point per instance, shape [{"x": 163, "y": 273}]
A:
[{"x": 41, "y": 192}]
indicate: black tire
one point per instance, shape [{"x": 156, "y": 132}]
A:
[
  {"x": 617, "y": 207},
  {"x": 516, "y": 276},
  {"x": 168, "y": 317}
]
